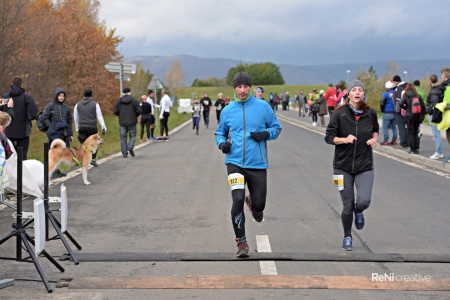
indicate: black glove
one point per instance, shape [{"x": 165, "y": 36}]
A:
[
  {"x": 260, "y": 136},
  {"x": 103, "y": 131},
  {"x": 225, "y": 147}
]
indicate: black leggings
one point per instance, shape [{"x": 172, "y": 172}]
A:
[
  {"x": 165, "y": 123},
  {"x": 413, "y": 133},
  {"x": 145, "y": 124},
  {"x": 314, "y": 117},
  {"x": 256, "y": 180},
  {"x": 206, "y": 116},
  {"x": 363, "y": 182}
]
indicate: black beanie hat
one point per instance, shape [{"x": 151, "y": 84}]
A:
[
  {"x": 126, "y": 90},
  {"x": 242, "y": 78},
  {"x": 417, "y": 82},
  {"x": 396, "y": 78},
  {"x": 87, "y": 93}
]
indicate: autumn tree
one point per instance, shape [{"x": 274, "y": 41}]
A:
[
  {"x": 140, "y": 81},
  {"x": 62, "y": 44},
  {"x": 175, "y": 76}
]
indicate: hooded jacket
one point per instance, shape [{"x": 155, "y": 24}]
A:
[
  {"x": 356, "y": 157},
  {"x": 434, "y": 97},
  {"x": 128, "y": 109},
  {"x": 24, "y": 110},
  {"x": 406, "y": 104},
  {"x": 55, "y": 115},
  {"x": 237, "y": 121}
]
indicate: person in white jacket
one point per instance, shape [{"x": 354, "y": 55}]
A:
[{"x": 164, "y": 106}]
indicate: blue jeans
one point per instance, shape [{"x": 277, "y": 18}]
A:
[
  {"x": 124, "y": 130},
  {"x": 389, "y": 121},
  {"x": 436, "y": 136}
]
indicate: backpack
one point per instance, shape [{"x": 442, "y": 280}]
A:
[
  {"x": 416, "y": 106},
  {"x": 40, "y": 123},
  {"x": 315, "y": 107}
]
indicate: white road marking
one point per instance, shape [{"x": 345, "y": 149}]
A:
[{"x": 268, "y": 267}]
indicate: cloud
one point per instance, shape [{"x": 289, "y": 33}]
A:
[{"x": 278, "y": 30}]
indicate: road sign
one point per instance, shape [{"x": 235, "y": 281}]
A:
[
  {"x": 124, "y": 77},
  {"x": 117, "y": 67},
  {"x": 155, "y": 83}
]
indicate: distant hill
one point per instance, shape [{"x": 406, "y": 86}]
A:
[{"x": 204, "y": 68}]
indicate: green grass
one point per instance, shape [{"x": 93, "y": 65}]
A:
[
  {"x": 228, "y": 91},
  {"x": 112, "y": 139}
]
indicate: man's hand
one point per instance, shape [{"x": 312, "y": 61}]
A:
[
  {"x": 104, "y": 131},
  {"x": 260, "y": 136},
  {"x": 225, "y": 147}
]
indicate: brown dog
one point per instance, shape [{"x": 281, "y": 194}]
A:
[{"x": 59, "y": 153}]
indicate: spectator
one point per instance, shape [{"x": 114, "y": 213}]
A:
[
  {"x": 353, "y": 157},
  {"x": 445, "y": 97},
  {"x": 152, "y": 119},
  {"x": 301, "y": 100},
  {"x": 399, "y": 119},
  {"x": 322, "y": 107},
  {"x": 244, "y": 144},
  {"x": 206, "y": 103},
  {"x": 86, "y": 113},
  {"x": 433, "y": 98},
  {"x": 58, "y": 118},
  {"x": 22, "y": 109},
  {"x": 388, "y": 117},
  {"x": 420, "y": 91},
  {"x": 412, "y": 120},
  {"x": 330, "y": 97},
  {"x": 165, "y": 105},
  {"x": 220, "y": 104},
  {"x": 128, "y": 109},
  {"x": 147, "y": 119},
  {"x": 314, "y": 109}
]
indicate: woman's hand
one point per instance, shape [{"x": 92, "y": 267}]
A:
[
  {"x": 350, "y": 139},
  {"x": 372, "y": 142}
]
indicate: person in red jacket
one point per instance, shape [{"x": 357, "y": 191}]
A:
[{"x": 330, "y": 97}]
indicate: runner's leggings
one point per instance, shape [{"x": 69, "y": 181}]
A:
[
  {"x": 363, "y": 182},
  {"x": 256, "y": 180}
]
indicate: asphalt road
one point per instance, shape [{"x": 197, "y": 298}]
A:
[{"x": 173, "y": 198}]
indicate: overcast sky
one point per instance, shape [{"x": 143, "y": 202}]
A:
[{"x": 300, "y": 32}]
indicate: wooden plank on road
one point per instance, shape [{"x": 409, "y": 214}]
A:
[{"x": 257, "y": 282}]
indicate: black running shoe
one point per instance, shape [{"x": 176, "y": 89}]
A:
[
  {"x": 257, "y": 216},
  {"x": 94, "y": 163},
  {"x": 131, "y": 152}
]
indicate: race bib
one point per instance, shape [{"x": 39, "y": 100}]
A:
[
  {"x": 196, "y": 107},
  {"x": 338, "y": 181},
  {"x": 236, "y": 181},
  {"x": 206, "y": 102}
]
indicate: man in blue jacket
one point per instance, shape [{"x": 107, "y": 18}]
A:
[{"x": 245, "y": 126}]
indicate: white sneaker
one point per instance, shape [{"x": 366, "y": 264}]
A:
[
  {"x": 314, "y": 124},
  {"x": 437, "y": 156}
]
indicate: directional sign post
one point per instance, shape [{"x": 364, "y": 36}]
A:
[{"x": 120, "y": 69}]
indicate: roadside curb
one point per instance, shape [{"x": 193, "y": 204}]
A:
[{"x": 399, "y": 153}]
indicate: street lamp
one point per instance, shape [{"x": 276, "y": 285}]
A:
[
  {"x": 348, "y": 72},
  {"x": 406, "y": 75}
]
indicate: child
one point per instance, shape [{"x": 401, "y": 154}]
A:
[{"x": 196, "y": 110}]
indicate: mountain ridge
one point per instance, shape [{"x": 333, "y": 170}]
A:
[{"x": 204, "y": 68}]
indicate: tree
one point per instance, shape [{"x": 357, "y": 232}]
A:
[
  {"x": 175, "y": 76},
  {"x": 60, "y": 43},
  {"x": 140, "y": 81},
  {"x": 391, "y": 70},
  {"x": 261, "y": 73}
]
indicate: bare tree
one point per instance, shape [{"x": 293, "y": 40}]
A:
[{"x": 175, "y": 76}]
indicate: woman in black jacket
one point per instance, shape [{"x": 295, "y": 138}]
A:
[
  {"x": 353, "y": 129},
  {"x": 413, "y": 118}
]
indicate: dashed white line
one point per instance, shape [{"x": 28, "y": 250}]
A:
[{"x": 268, "y": 267}]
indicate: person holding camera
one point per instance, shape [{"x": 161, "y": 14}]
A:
[
  {"x": 86, "y": 113},
  {"x": 245, "y": 126},
  {"x": 22, "y": 109}
]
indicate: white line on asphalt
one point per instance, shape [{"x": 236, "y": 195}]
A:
[{"x": 268, "y": 267}]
